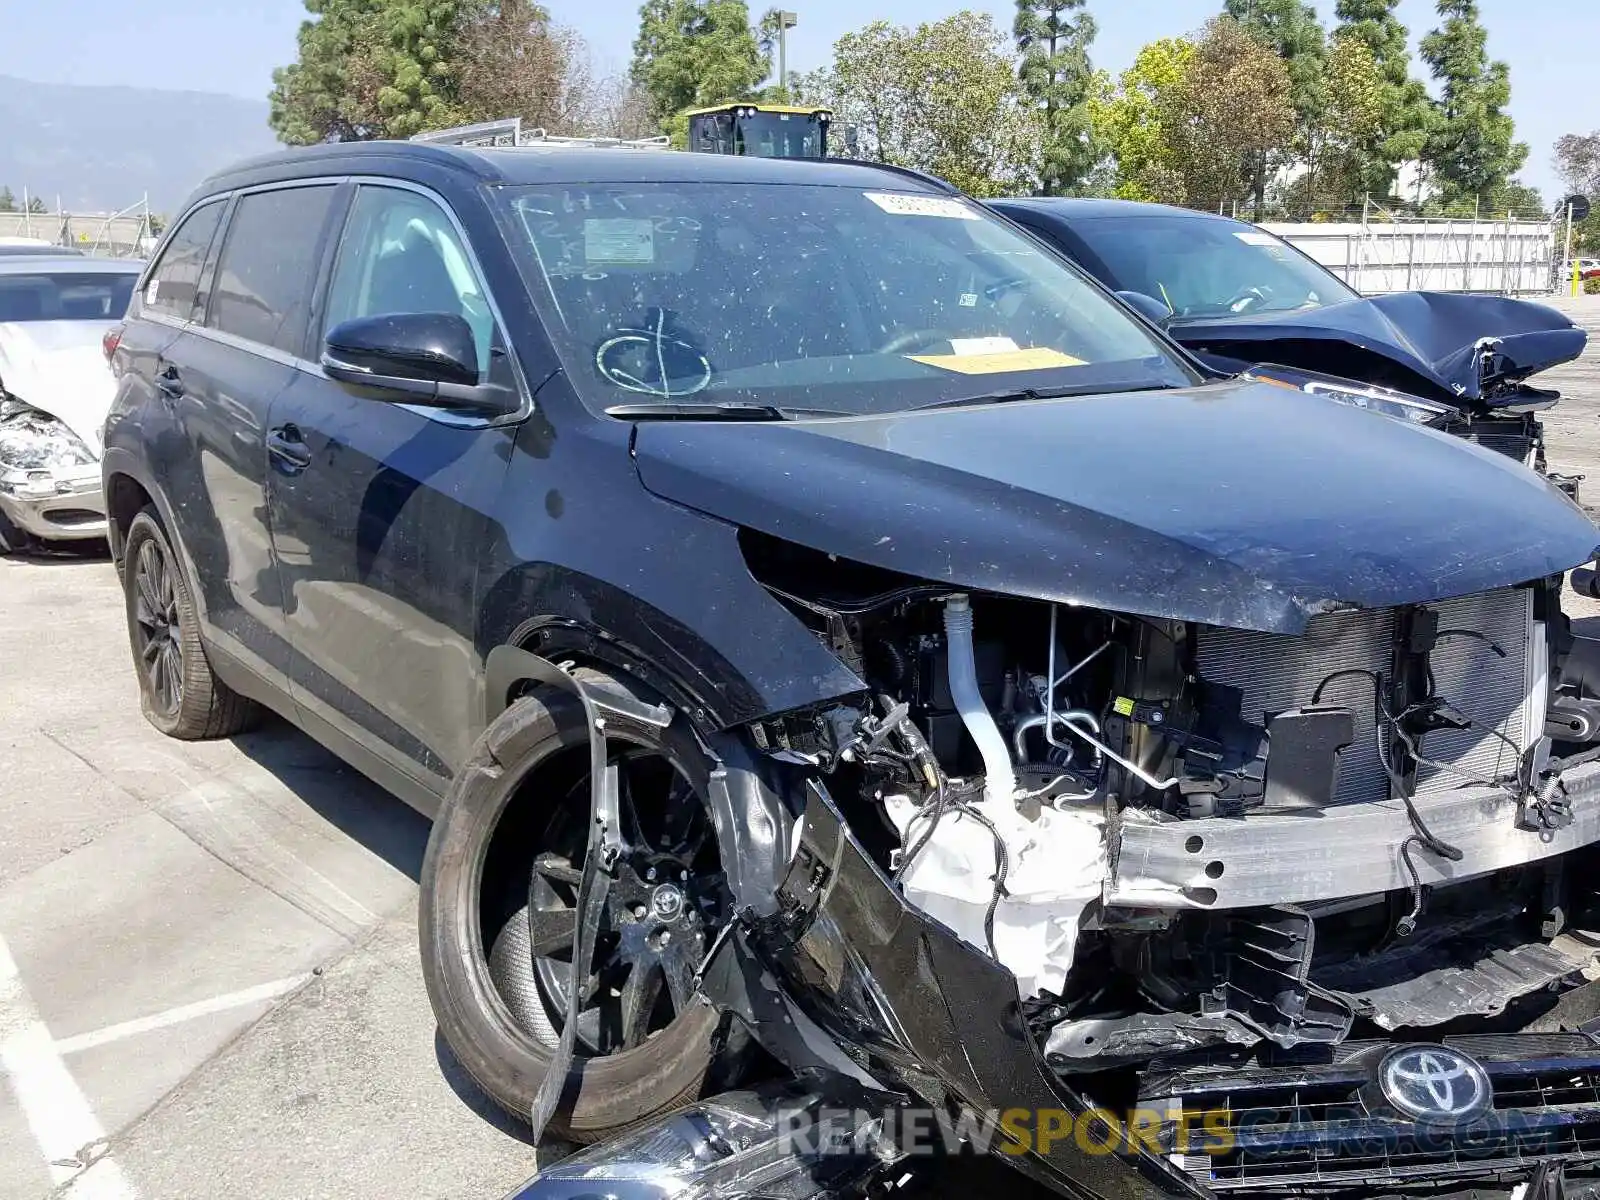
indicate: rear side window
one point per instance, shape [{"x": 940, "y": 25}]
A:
[
  {"x": 173, "y": 283},
  {"x": 268, "y": 265}
]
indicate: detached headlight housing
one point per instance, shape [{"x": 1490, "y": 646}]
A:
[
  {"x": 32, "y": 440},
  {"x": 1391, "y": 403}
]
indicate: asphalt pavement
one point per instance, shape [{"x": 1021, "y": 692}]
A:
[{"x": 208, "y": 968}]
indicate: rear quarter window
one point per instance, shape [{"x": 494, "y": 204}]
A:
[{"x": 172, "y": 284}]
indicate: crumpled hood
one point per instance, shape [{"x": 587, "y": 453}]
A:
[
  {"x": 60, "y": 368},
  {"x": 1433, "y": 335},
  {"x": 1235, "y": 504}
]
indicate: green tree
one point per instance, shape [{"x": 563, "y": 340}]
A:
[
  {"x": 8, "y": 202},
  {"x": 419, "y": 66},
  {"x": 36, "y": 206},
  {"x": 1406, "y": 113},
  {"x": 1471, "y": 149},
  {"x": 695, "y": 52},
  {"x": 1290, "y": 28},
  {"x": 1348, "y": 114},
  {"x": 941, "y": 97},
  {"x": 1053, "y": 38},
  {"x": 314, "y": 99},
  {"x": 1518, "y": 199},
  {"x": 371, "y": 68},
  {"x": 1129, "y": 121}
]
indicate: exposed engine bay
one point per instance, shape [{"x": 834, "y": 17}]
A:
[{"x": 1192, "y": 844}]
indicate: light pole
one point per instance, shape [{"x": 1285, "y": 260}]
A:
[{"x": 786, "y": 22}]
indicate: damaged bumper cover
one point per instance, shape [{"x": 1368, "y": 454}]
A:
[
  {"x": 63, "y": 506},
  {"x": 928, "y": 1012}
]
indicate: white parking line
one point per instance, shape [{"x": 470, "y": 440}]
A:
[
  {"x": 176, "y": 1016},
  {"x": 58, "y": 1113}
]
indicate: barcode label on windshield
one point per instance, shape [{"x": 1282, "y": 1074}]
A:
[
  {"x": 904, "y": 205},
  {"x": 618, "y": 240}
]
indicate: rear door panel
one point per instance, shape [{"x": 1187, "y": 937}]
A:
[{"x": 222, "y": 377}]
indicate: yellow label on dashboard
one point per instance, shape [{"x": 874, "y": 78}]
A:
[{"x": 1037, "y": 358}]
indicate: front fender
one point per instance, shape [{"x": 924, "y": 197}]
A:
[{"x": 747, "y": 659}]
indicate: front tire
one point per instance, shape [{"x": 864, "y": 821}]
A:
[
  {"x": 508, "y": 843},
  {"x": 178, "y": 692},
  {"x": 12, "y": 539}
]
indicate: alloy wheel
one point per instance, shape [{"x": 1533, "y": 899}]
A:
[
  {"x": 664, "y": 905},
  {"x": 155, "y": 613}
]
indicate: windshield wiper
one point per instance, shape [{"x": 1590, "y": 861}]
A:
[
  {"x": 715, "y": 410},
  {"x": 1052, "y": 393},
  {"x": 727, "y": 410}
]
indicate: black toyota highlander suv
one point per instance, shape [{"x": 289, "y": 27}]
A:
[{"x": 838, "y": 641}]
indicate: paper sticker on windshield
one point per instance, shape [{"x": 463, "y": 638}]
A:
[
  {"x": 983, "y": 345},
  {"x": 613, "y": 241},
  {"x": 152, "y": 291},
  {"x": 903, "y": 205},
  {"x": 1254, "y": 237},
  {"x": 1036, "y": 358}
]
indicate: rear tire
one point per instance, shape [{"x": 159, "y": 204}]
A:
[
  {"x": 178, "y": 692},
  {"x": 495, "y": 1010}
]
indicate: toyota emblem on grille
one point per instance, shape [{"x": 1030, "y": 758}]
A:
[{"x": 1435, "y": 1084}]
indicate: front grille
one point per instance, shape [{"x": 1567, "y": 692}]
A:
[
  {"x": 1315, "y": 1122},
  {"x": 1485, "y": 672}
]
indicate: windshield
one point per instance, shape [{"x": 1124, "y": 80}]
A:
[
  {"x": 843, "y": 299},
  {"x": 1202, "y": 267},
  {"x": 63, "y": 296},
  {"x": 759, "y": 134},
  {"x": 779, "y": 135}
]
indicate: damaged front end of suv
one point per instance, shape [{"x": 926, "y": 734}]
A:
[{"x": 1267, "y": 807}]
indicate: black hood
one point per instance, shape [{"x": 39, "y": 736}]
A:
[
  {"x": 1233, "y": 504},
  {"x": 1436, "y": 337}
]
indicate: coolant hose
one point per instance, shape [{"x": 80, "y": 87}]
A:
[{"x": 999, "y": 782}]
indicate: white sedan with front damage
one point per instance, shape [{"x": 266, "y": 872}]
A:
[{"x": 55, "y": 390}]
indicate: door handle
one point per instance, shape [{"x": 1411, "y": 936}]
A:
[
  {"x": 168, "y": 381},
  {"x": 288, "y": 449}
]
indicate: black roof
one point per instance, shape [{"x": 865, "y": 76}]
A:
[
  {"x": 1075, "y": 209},
  {"x": 557, "y": 164}
]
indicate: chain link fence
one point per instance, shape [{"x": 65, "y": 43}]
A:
[{"x": 130, "y": 233}]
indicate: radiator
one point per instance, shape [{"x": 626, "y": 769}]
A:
[
  {"x": 1495, "y": 692},
  {"x": 1274, "y": 673}
]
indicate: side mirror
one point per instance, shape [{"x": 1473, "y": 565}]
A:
[
  {"x": 1147, "y": 306},
  {"x": 416, "y": 358}
]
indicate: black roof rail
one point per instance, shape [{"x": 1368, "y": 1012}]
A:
[{"x": 933, "y": 181}]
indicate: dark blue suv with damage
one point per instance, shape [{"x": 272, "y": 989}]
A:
[{"x": 850, "y": 657}]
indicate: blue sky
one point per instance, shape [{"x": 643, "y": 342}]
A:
[{"x": 232, "y": 45}]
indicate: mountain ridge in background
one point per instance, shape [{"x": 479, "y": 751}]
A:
[{"x": 102, "y": 148}]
